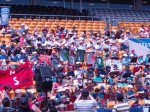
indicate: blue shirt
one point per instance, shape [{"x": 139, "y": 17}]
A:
[
  {"x": 20, "y": 57},
  {"x": 3, "y": 57},
  {"x": 130, "y": 93},
  {"x": 3, "y": 46},
  {"x": 97, "y": 79}
]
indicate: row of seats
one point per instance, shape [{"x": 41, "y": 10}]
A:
[
  {"x": 79, "y": 24},
  {"x": 122, "y": 14}
]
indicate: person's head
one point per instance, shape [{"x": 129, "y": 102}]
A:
[
  {"x": 97, "y": 90},
  {"x": 102, "y": 89},
  {"x": 7, "y": 89},
  {"x": 70, "y": 68},
  {"x": 63, "y": 98},
  {"x": 6, "y": 102},
  {"x": 52, "y": 68},
  {"x": 79, "y": 78},
  {"x": 120, "y": 97},
  {"x": 23, "y": 103},
  {"x": 85, "y": 93},
  {"x": 3, "y": 42}
]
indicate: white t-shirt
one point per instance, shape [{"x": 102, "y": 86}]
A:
[{"x": 85, "y": 105}]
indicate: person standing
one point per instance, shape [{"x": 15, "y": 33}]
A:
[
  {"x": 85, "y": 102},
  {"x": 121, "y": 106}
]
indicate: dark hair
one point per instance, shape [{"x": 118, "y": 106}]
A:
[
  {"x": 7, "y": 88},
  {"x": 97, "y": 90},
  {"x": 120, "y": 97},
  {"x": 52, "y": 105},
  {"x": 6, "y": 102},
  {"x": 85, "y": 93}
]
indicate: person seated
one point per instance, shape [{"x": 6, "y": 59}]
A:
[
  {"x": 130, "y": 94},
  {"x": 90, "y": 73},
  {"x": 140, "y": 60},
  {"x": 79, "y": 84},
  {"x": 3, "y": 46},
  {"x": 109, "y": 79},
  {"x": 95, "y": 93},
  {"x": 97, "y": 78},
  {"x": 125, "y": 59},
  {"x": 127, "y": 73}
]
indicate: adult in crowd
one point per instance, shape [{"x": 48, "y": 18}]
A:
[{"x": 85, "y": 102}]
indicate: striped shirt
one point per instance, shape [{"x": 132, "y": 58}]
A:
[
  {"x": 121, "y": 107},
  {"x": 85, "y": 105}
]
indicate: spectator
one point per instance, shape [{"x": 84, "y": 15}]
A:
[
  {"x": 6, "y": 106},
  {"x": 85, "y": 102},
  {"x": 24, "y": 105},
  {"x": 121, "y": 106}
]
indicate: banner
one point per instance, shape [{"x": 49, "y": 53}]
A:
[
  {"x": 99, "y": 62},
  {"x": 111, "y": 63},
  {"x": 80, "y": 55},
  {"x": 145, "y": 42},
  {"x": 17, "y": 78},
  {"x": 63, "y": 54},
  {"x": 140, "y": 46},
  {"x": 90, "y": 58},
  {"x": 72, "y": 60},
  {"x": 5, "y": 11}
]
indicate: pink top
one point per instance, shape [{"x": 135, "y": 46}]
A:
[{"x": 21, "y": 41}]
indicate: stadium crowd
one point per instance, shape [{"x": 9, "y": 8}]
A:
[{"x": 102, "y": 85}]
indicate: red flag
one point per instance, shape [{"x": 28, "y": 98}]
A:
[{"x": 17, "y": 78}]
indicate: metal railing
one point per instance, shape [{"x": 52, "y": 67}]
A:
[{"x": 67, "y": 17}]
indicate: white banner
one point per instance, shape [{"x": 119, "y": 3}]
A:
[{"x": 139, "y": 49}]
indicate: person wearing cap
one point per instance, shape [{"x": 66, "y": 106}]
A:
[
  {"x": 21, "y": 29},
  {"x": 125, "y": 59},
  {"x": 121, "y": 106},
  {"x": 85, "y": 102},
  {"x": 34, "y": 56}
]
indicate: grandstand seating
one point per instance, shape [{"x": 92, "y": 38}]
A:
[
  {"x": 80, "y": 25},
  {"x": 53, "y": 10},
  {"x": 122, "y": 14}
]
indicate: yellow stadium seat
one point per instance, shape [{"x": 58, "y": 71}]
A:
[
  {"x": 111, "y": 104},
  {"x": 43, "y": 20},
  {"x": 36, "y": 20},
  {"x": 50, "y": 20},
  {"x": 14, "y": 19},
  {"x": 29, "y": 20},
  {"x": 22, "y": 19}
]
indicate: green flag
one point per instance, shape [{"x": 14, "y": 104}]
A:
[
  {"x": 63, "y": 54},
  {"x": 99, "y": 62},
  {"x": 80, "y": 55}
]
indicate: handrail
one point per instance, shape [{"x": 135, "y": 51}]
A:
[{"x": 66, "y": 16}]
